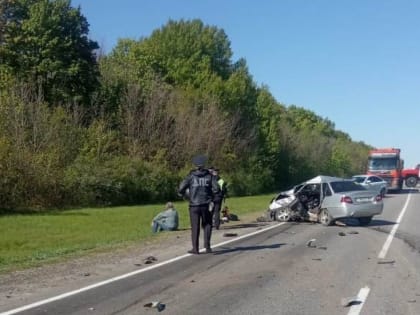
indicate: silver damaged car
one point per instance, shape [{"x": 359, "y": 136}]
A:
[{"x": 325, "y": 199}]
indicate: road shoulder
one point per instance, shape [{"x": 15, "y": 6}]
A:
[{"x": 30, "y": 285}]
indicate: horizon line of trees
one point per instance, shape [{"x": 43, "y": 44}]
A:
[{"x": 82, "y": 128}]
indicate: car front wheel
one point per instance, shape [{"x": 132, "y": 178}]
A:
[
  {"x": 283, "y": 214},
  {"x": 325, "y": 218}
]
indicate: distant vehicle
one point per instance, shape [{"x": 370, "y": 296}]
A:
[
  {"x": 325, "y": 199},
  {"x": 372, "y": 182},
  {"x": 387, "y": 164}
]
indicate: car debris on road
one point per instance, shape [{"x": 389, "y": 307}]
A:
[
  {"x": 156, "y": 304},
  {"x": 346, "y": 302},
  {"x": 149, "y": 260}
]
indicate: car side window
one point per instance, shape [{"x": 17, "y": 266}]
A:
[
  {"x": 374, "y": 179},
  {"x": 326, "y": 190}
]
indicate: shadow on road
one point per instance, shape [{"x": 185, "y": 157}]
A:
[
  {"x": 374, "y": 222},
  {"x": 225, "y": 250},
  {"x": 403, "y": 191},
  {"x": 381, "y": 222},
  {"x": 242, "y": 226}
]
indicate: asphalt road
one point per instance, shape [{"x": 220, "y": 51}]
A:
[{"x": 275, "y": 272}]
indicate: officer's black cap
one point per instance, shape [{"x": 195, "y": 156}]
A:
[{"x": 199, "y": 160}]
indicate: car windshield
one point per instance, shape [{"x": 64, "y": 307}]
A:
[
  {"x": 358, "y": 179},
  {"x": 377, "y": 164},
  {"x": 344, "y": 186}
]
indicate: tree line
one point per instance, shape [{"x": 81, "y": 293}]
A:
[{"x": 79, "y": 127}]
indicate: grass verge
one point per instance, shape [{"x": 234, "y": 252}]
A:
[{"x": 35, "y": 239}]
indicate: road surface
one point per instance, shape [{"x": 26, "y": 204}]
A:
[{"x": 375, "y": 269}]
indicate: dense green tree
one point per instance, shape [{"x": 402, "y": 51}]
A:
[
  {"x": 185, "y": 50},
  {"x": 46, "y": 42}
]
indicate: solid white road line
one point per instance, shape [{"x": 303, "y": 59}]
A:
[
  {"x": 388, "y": 241},
  {"x": 127, "y": 275},
  {"x": 361, "y": 297},
  {"x": 364, "y": 292}
]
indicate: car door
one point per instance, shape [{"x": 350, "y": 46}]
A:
[{"x": 375, "y": 183}]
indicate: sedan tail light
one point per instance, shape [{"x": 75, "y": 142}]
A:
[
  {"x": 378, "y": 198},
  {"x": 346, "y": 199}
]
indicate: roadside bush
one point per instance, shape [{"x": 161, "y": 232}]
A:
[{"x": 118, "y": 181}]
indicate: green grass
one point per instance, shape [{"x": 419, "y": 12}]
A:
[{"x": 34, "y": 239}]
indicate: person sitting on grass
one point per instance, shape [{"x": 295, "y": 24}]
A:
[{"x": 167, "y": 220}]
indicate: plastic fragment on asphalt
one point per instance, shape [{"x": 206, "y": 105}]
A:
[
  {"x": 342, "y": 234},
  {"x": 156, "y": 304},
  {"x": 350, "y": 301},
  {"x": 322, "y": 247},
  {"x": 319, "y": 259},
  {"x": 311, "y": 242}
]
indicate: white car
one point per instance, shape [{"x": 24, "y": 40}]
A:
[{"x": 372, "y": 182}]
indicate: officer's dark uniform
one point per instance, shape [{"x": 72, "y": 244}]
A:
[
  {"x": 201, "y": 187},
  {"x": 218, "y": 197}
]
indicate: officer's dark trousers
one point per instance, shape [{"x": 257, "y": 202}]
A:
[
  {"x": 197, "y": 214},
  {"x": 216, "y": 213}
]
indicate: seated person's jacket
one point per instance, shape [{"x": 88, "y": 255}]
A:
[{"x": 169, "y": 218}]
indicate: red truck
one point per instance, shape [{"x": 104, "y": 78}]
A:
[{"x": 387, "y": 163}]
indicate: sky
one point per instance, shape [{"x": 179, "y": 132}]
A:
[{"x": 354, "y": 62}]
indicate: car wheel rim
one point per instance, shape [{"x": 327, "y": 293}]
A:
[{"x": 283, "y": 215}]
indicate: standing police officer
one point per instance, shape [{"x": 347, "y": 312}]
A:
[
  {"x": 199, "y": 187},
  {"x": 218, "y": 197}
]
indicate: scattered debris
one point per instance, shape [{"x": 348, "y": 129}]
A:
[
  {"x": 230, "y": 234},
  {"x": 412, "y": 301},
  {"x": 322, "y": 247},
  {"x": 342, "y": 234},
  {"x": 350, "y": 301},
  {"x": 156, "y": 304},
  {"x": 192, "y": 280},
  {"x": 91, "y": 309},
  {"x": 352, "y": 232},
  {"x": 86, "y": 274},
  {"x": 311, "y": 242},
  {"x": 319, "y": 259},
  {"x": 386, "y": 262},
  {"x": 8, "y": 296},
  {"x": 150, "y": 260},
  {"x": 137, "y": 264}
]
